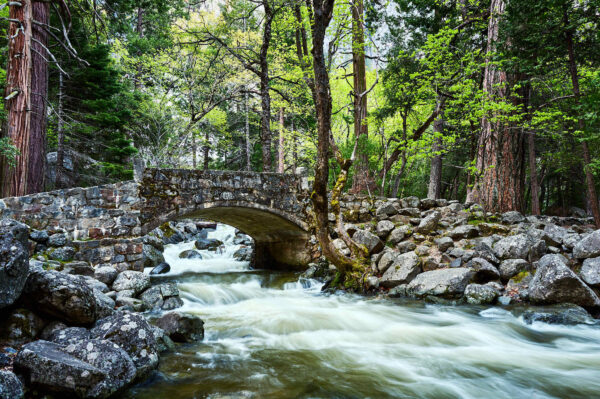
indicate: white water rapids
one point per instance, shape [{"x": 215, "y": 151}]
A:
[{"x": 269, "y": 336}]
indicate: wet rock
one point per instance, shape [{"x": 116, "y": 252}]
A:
[
  {"x": 242, "y": 239},
  {"x": 384, "y": 228},
  {"x": 210, "y": 244},
  {"x": 566, "y": 314},
  {"x": 10, "y": 386},
  {"x": 190, "y": 254},
  {"x": 63, "y": 254},
  {"x": 511, "y": 267},
  {"x": 369, "y": 240},
  {"x": 152, "y": 256},
  {"x": 402, "y": 270},
  {"x": 588, "y": 247},
  {"x": 105, "y": 274},
  {"x": 163, "y": 342},
  {"x": 134, "y": 335},
  {"x": 464, "y": 231},
  {"x": 161, "y": 269},
  {"x": 65, "y": 297},
  {"x": 131, "y": 280},
  {"x": 14, "y": 260},
  {"x": 78, "y": 268},
  {"x": 444, "y": 243},
  {"x": 243, "y": 254},
  {"x": 477, "y": 294},
  {"x": 555, "y": 283},
  {"x": 590, "y": 272},
  {"x": 484, "y": 270},
  {"x": 154, "y": 241},
  {"x": 445, "y": 283},
  {"x": 20, "y": 326},
  {"x": 182, "y": 327},
  {"x": 156, "y": 297},
  {"x": 91, "y": 369},
  {"x": 429, "y": 223}
]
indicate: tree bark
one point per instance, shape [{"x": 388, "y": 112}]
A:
[
  {"x": 206, "y": 150},
  {"x": 60, "y": 130},
  {"x": 265, "y": 97},
  {"x": 18, "y": 105},
  {"x": 589, "y": 177},
  {"x": 281, "y": 150},
  {"x": 435, "y": 174},
  {"x": 39, "y": 98},
  {"x": 500, "y": 152},
  {"x": 247, "y": 131},
  {"x": 362, "y": 178}
]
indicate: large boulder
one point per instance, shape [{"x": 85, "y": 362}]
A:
[
  {"x": 555, "y": 283},
  {"x": 399, "y": 234},
  {"x": 566, "y": 314},
  {"x": 511, "y": 267},
  {"x": 464, "y": 231},
  {"x": 402, "y": 270},
  {"x": 210, "y": 244},
  {"x": 131, "y": 280},
  {"x": 161, "y": 269},
  {"x": 62, "y": 296},
  {"x": 369, "y": 240},
  {"x": 429, "y": 223},
  {"x": 182, "y": 327},
  {"x": 106, "y": 274},
  {"x": 384, "y": 228},
  {"x": 243, "y": 254},
  {"x": 10, "y": 386},
  {"x": 446, "y": 283},
  {"x": 134, "y": 335},
  {"x": 477, "y": 294},
  {"x": 590, "y": 271},
  {"x": 163, "y": 296},
  {"x": 190, "y": 254},
  {"x": 14, "y": 260},
  {"x": 151, "y": 255},
  {"x": 87, "y": 369},
  {"x": 520, "y": 246},
  {"x": 484, "y": 270},
  {"x": 588, "y": 247}
]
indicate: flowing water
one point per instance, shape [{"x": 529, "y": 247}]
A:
[{"x": 269, "y": 335}]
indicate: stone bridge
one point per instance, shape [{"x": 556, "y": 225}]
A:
[{"x": 106, "y": 223}]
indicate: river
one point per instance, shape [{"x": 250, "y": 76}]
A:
[{"x": 268, "y": 335}]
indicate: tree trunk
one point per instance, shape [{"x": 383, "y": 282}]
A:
[
  {"x": 247, "y": 131},
  {"x": 60, "y": 131},
  {"x": 295, "y": 147},
  {"x": 362, "y": 178},
  {"x": 194, "y": 151},
  {"x": 18, "y": 104},
  {"x": 281, "y": 150},
  {"x": 435, "y": 174},
  {"x": 39, "y": 98},
  {"x": 589, "y": 177},
  {"x": 535, "y": 188},
  {"x": 265, "y": 97},
  {"x": 206, "y": 149},
  {"x": 139, "y": 28},
  {"x": 500, "y": 152}
]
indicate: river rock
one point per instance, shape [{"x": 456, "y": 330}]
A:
[
  {"x": 161, "y": 269},
  {"x": 10, "y": 386},
  {"x": 477, "y": 294},
  {"x": 484, "y": 270},
  {"x": 163, "y": 296},
  {"x": 402, "y": 270},
  {"x": 243, "y": 254},
  {"x": 588, "y": 247},
  {"x": 190, "y": 254},
  {"x": 429, "y": 223},
  {"x": 519, "y": 246},
  {"x": 464, "y": 231},
  {"x": 384, "y": 228},
  {"x": 131, "y": 280},
  {"x": 151, "y": 255},
  {"x": 566, "y": 314},
  {"x": 14, "y": 260},
  {"x": 511, "y": 267},
  {"x": 105, "y": 274},
  {"x": 63, "y": 296},
  {"x": 182, "y": 327},
  {"x": 20, "y": 326},
  {"x": 90, "y": 369},
  {"x": 590, "y": 271},
  {"x": 446, "y": 283},
  {"x": 69, "y": 335},
  {"x": 210, "y": 244},
  {"x": 369, "y": 240},
  {"x": 134, "y": 335},
  {"x": 555, "y": 283}
]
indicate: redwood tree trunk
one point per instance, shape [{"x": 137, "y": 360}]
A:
[
  {"x": 18, "y": 106},
  {"x": 60, "y": 130},
  {"x": 500, "y": 152},
  {"x": 39, "y": 96}
]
